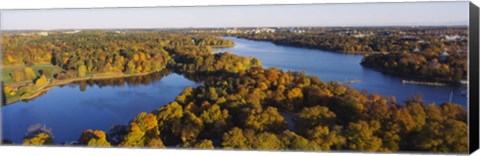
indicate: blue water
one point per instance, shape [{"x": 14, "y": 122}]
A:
[
  {"x": 68, "y": 110},
  {"x": 330, "y": 66}
]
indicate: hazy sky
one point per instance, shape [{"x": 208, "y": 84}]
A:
[{"x": 366, "y": 14}]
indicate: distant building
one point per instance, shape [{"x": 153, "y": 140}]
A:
[
  {"x": 25, "y": 34},
  {"x": 263, "y": 30},
  {"x": 72, "y": 32},
  {"x": 296, "y": 31},
  {"x": 43, "y": 33},
  {"x": 360, "y": 34},
  {"x": 453, "y": 37},
  {"x": 409, "y": 38},
  {"x": 232, "y": 31}
]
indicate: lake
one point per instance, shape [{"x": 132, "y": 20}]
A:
[
  {"x": 331, "y": 66},
  {"x": 99, "y": 104},
  {"x": 102, "y": 104}
]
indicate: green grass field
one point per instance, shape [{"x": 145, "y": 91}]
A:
[{"x": 6, "y": 78}]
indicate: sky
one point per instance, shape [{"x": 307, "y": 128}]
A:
[{"x": 361, "y": 14}]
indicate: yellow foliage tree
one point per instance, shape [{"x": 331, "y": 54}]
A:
[
  {"x": 40, "y": 82},
  {"x": 97, "y": 138},
  {"x": 82, "y": 71},
  {"x": 29, "y": 73},
  {"x": 39, "y": 139}
]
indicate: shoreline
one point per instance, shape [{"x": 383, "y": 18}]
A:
[
  {"x": 307, "y": 47},
  {"x": 444, "y": 83},
  {"x": 54, "y": 83},
  {"x": 381, "y": 70}
]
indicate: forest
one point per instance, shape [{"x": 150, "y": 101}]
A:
[
  {"x": 420, "y": 54},
  {"x": 32, "y": 64},
  {"x": 367, "y": 40},
  {"x": 240, "y": 104},
  {"x": 422, "y": 66}
]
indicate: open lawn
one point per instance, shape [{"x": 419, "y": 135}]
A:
[{"x": 7, "y": 79}]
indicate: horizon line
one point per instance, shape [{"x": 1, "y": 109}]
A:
[{"x": 211, "y": 27}]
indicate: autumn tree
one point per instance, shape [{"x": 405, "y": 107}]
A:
[
  {"x": 143, "y": 132},
  {"x": 82, "y": 70},
  {"x": 361, "y": 136},
  {"x": 188, "y": 127},
  {"x": 202, "y": 144},
  {"x": 18, "y": 75},
  {"x": 39, "y": 139},
  {"x": 325, "y": 138},
  {"x": 264, "y": 141},
  {"x": 266, "y": 120},
  {"x": 29, "y": 73},
  {"x": 313, "y": 116},
  {"x": 38, "y": 135},
  {"x": 40, "y": 82},
  {"x": 293, "y": 141},
  {"x": 94, "y": 138},
  {"x": 167, "y": 114},
  {"x": 234, "y": 139}
]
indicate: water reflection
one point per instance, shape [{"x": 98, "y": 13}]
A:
[
  {"x": 93, "y": 104},
  {"x": 123, "y": 81}
]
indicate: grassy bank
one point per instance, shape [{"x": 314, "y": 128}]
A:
[{"x": 37, "y": 68}]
